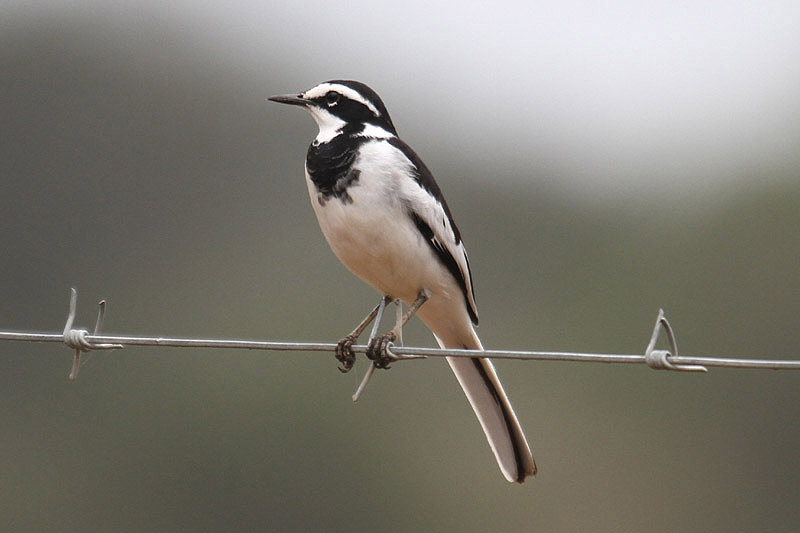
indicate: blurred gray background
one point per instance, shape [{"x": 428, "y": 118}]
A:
[{"x": 601, "y": 161}]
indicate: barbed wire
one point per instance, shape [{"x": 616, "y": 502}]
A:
[{"x": 82, "y": 341}]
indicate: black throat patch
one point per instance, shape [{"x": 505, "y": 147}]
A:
[{"x": 330, "y": 167}]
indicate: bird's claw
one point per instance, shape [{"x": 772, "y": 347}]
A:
[
  {"x": 378, "y": 349},
  {"x": 344, "y": 354}
]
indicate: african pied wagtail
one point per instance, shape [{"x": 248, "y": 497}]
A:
[{"x": 385, "y": 218}]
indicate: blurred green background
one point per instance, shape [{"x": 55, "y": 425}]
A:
[{"x": 601, "y": 162}]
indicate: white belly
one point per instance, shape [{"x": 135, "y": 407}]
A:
[{"x": 375, "y": 238}]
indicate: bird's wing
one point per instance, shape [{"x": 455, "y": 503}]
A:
[{"x": 428, "y": 209}]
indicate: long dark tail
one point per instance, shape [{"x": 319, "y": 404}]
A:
[{"x": 489, "y": 401}]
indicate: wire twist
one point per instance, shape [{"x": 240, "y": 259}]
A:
[
  {"x": 76, "y": 338},
  {"x": 660, "y": 359}
]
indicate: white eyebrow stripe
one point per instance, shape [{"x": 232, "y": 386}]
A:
[{"x": 352, "y": 94}]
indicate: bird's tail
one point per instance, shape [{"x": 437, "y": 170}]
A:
[{"x": 489, "y": 401}]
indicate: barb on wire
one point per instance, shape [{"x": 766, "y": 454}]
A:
[
  {"x": 81, "y": 341},
  {"x": 76, "y": 338},
  {"x": 660, "y": 359},
  {"x": 371, "y": 368}
]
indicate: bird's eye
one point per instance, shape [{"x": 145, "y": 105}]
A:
[{"x": 332, "y": 98}]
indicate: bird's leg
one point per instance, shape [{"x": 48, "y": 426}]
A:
[
  {"x": 377, "y": 349},
  {"x": 344, "y": 348}
]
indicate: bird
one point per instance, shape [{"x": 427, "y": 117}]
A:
[{"x": 385, "y": 218}]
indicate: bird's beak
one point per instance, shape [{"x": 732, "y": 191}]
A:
[{"x": 291, "y": 99}]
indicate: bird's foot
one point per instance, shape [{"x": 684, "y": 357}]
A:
[
  {"x": 378, "y": 349},
  {"x": 344, "y": 353}
]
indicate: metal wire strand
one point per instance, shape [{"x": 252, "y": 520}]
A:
[{"x": 81, "y": 341}]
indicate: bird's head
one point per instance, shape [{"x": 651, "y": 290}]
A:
[{"x": 343, "y": 106}]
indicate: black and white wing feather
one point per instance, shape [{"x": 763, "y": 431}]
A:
[{"x": 431, "y": 215}]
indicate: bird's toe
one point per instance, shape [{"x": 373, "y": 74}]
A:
[{"x": 344, "y": 354}]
